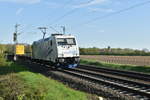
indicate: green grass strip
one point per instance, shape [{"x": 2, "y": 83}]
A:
[
  {"x": 48, "y": 89},
  {"x": 144, "y": 69}
]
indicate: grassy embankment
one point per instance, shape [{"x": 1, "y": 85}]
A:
[
  {"x": 144, "y": 69},
  {"x": 18, "y": 83}
]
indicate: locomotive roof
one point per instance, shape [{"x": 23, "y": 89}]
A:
[
  {"x": 46, "y": 39},
  {"x": 55, "y": 35}
]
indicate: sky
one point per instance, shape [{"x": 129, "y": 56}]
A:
[{"x": 95, "y": 23}]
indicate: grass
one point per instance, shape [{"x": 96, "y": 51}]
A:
[
  {"x": 18, "y": 83},
  {"x": 46, "y": 89},
  {"x": 144, "y": 69}
]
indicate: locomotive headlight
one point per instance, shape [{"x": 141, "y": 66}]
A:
[
  {"x": 61, "y": 60},
  {"x": 77, "y": 59}
]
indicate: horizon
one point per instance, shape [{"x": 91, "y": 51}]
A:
[{"x": 86, "y": 47}]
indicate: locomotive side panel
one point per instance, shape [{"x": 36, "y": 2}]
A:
[{"x": 45, "y": 50}]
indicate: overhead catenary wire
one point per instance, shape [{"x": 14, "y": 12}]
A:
[
  {"x": 117, "y": 12},
  {"x": 64, "y": 6},
  {"x": 63, "y": 16},
  {"x": 54, "y": 29}
]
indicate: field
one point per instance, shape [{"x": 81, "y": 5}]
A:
[
  {"x": 131, "y": 60},
  {"x": 18, "y": 83}
]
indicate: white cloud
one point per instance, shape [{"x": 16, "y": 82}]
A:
[
  {"x": 107, "y": 10},
  {"x": 22, "y": 1},
  {"x": 53, "y": 4},
  {"x": 19, "y": 11},
  {"x": 90, "y": 3}
]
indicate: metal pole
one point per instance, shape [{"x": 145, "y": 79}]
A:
[
  {"x": 15, "y": 40},
  {"x": 64, "y": 29}
]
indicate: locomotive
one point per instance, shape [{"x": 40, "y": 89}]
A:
[{"x": 61, "y": 50}]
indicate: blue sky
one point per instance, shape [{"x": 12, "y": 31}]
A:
[{"x": 129, "y": 29}]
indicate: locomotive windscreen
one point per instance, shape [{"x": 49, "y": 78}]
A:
[{"x": 66, "y": 41}]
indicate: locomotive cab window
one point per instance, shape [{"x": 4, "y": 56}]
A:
[{"x": 66, "y": 41}]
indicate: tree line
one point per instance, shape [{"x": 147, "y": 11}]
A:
[{"x": 114, "y": 51}]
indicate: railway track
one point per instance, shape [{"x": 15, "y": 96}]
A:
[
  {"x": 129, "y": 74},
  {"x": 138, "y": 90}
]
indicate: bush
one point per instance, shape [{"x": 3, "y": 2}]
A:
[
  {"x": 2, "y": 60},
  {"x": 11, "y": 88}
]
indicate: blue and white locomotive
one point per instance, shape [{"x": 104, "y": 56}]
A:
[{"x": 59, "y": 49}]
